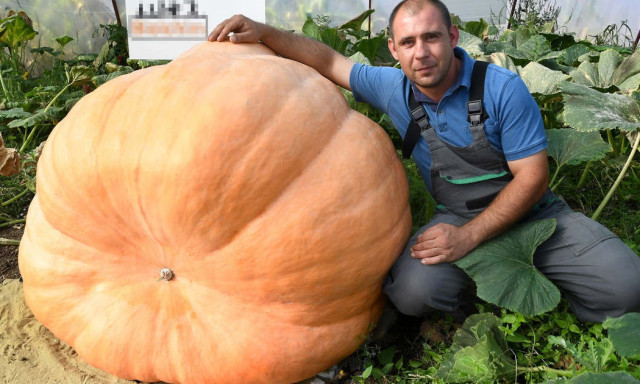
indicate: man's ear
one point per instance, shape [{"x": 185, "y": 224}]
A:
[
  {"x": 392, "y": 48},
  {"x": 454, "y": 35}
]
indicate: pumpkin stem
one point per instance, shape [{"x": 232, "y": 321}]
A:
[{"x": 166, "y": 274}]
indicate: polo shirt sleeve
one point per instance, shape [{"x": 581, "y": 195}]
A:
[
  {"x": 375, "y": 85},
  {"x": 522, "y": 127}
]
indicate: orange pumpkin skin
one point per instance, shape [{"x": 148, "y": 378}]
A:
[{"x": 278, "y": 209}]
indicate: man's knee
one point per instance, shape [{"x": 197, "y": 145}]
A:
[
  {"x": 619, "y": 294},
  {"x": 419, "y": 290}
]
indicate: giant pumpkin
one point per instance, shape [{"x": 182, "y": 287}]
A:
[{"x": 224, "y": 218}]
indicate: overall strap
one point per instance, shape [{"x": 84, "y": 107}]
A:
[
  {"x": 476, "y": 114},
  {"x": 420, "y": 120}
]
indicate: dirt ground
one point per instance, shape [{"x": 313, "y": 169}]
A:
[{"x": 9, "y": 253}]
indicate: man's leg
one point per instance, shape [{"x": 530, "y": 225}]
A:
[
  {"x": 597, "y": 273},
  {"x": 415, "y": 289}
]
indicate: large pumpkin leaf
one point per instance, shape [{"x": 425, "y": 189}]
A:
[
  {"x": 540, "y": 79},
  {"x": 601, "y": 378},
  {"x": 478, "y": 353},
  {"x": 628, "y": 71},
  {"x": 624, "y": 332},
  {"x": 504, "y": 272},
  {"x": 503, "y": 60},
  {"x": 587, "y": 109},
  {"x": 568, "y": 146},
  {"x": 572, "y": 54},
  {"x": 470, "y": 43},
  {"x": 611, "y": 70}
]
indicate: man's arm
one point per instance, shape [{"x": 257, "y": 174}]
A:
[
  {"x": 448, "y": 243},
  {"x": 313, "y": 53}
]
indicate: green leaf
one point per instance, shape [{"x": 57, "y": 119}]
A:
[
  {"x": 586, "y": 74},
  {"x": 504, "y": 272},
  {"x": 64, "y": 40},
  {"x": 370, "y": 47},
  {"x": 609, "y": 62},
  {"x": 16, "y": 31},
  {"x": 478, "y": 353},
  {"x": 540, "y": 79},
  {"x": 386, "y": 357},
  {"x": 356, "y": 23},
  {"x": 624, "y": 332},
  {"x": 367, "y": 372},
  {"x": 629, "y": 67},
  {"x": 587, "y": 109},
  {"x": 502, "y": 60},
  {"x": 14, "y": 113},
  {"x": 535, "y": 48},
  {"x": 80, "y": 75},
  {"x": 470, "y": 43},
  {"x": 604, "y": 378},
  {"x": 311, "y": 29},
  {"x": 572, "y": 54},
  {"x": 31, "y": 120},
  {"x": 477, "y": 28},
  {"x": 568, "y": 146}
]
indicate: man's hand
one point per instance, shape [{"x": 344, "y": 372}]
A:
[
  {"x": 443, "y": 243},
  {"x": 244, "y": 30}
]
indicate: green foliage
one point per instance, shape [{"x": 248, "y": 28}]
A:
[
  {"x": 625, "y": 334},
  {"x": 350, "y": 39},
  {"x": 503, "y": 270},
  {"x": 593, "y": 86},
  {"x": 478, "y": 353}
]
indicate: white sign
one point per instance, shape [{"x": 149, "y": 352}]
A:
[{"x": 162, "y": 29}]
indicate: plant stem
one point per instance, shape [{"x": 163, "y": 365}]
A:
[
  {"x": 583, "y": 177},
  {"x": 604, "y": 202},
  {"x": 4, "y": 87},
  {"x": 544, "y": 368},
  {"x": 612, "y": 143},
  {"x": 555, "y": 176},
  {"x": 4, "y": 241},
  {"x": 33, "y": 131},
  {"x": 13, "y": 222},
  {"x": 11, "y": 200}
]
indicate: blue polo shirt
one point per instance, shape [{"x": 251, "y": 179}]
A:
[{"x": 514, "y": 126}]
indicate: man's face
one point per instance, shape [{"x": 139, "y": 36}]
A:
[{"x": 424, "y": 47}]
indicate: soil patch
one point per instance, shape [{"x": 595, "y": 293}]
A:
[{"x": 9, "y": 253}]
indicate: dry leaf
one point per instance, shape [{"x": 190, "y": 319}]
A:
[{"x": 9, "y": 160}]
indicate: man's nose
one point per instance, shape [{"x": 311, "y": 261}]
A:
[{"x": 422, "y": 49}]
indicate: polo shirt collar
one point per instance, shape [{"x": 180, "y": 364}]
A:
[{"x": 463, "y": 79}]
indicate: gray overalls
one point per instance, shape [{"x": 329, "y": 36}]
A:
[{"x": 596, "y": 272}]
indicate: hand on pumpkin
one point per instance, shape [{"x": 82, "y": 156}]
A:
[
  {"x": 443, "y": 243},
  {"x": 242, "y": 28}
]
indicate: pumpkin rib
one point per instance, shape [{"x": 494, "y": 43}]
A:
[
  {"x": 398, "y": 230},
  {"x": 300, "y": 168}
]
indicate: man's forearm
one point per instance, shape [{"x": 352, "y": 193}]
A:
[
  {"x": 513, "y": 202},
  {"x": 313, "y": 53},
  {"x": 300, "y": 48}
]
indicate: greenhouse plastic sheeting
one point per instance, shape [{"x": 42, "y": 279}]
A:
[{"x": 81, "y": 19}]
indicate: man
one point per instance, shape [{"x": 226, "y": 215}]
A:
[{"x": 485, "y": 176}]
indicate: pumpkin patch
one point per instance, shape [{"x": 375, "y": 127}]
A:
[{"x": 222, "y": 218}]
